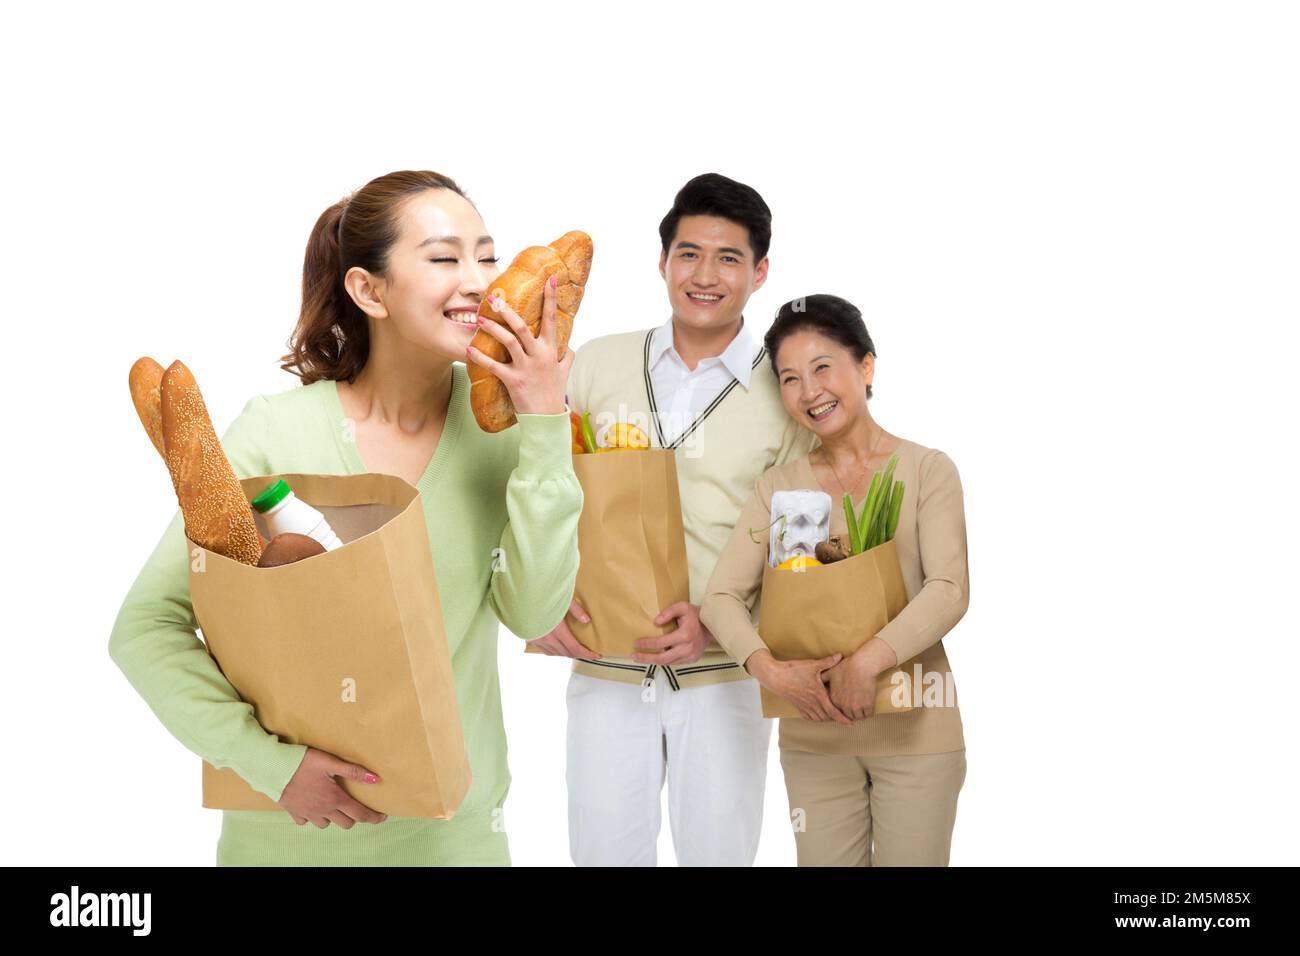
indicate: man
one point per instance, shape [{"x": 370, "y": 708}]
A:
[{"x": 680, "y": 706}]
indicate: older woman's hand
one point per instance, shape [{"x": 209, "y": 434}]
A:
[
  {"x": 534, "y": 376},
  {"x": 853, "y": 688},
  {"x": 853, "y": 680},
  {"x": 799, "y": 682}
]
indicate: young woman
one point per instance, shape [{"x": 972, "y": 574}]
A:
[
  {"x": 392, "y": 281},
  {"x": 864, "y": 790}
]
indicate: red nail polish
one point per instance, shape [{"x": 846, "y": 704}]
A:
[
  {"x": 552, "y": 282},
  {"x": 371, "y": 778}
]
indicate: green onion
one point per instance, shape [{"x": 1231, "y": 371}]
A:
[
  {"x": 881, "y": 513},
  {"x": 855, "y": 539},
  {"x": 895, "y": 509},
  {"x": 872, "y": 494},
  {"x": 882, "y": 519},
  {"x": 878, "y": 520}
]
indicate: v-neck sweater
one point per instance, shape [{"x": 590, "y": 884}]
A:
[
  {"x": 719, "y": 456},
  {"x": 931, "y": 545},
  {"x": 509, "y": 498}
]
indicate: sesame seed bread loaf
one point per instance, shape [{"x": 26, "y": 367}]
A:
[
  {"x": 217, "y": 514},
  {"x": 522, "y": 286}
]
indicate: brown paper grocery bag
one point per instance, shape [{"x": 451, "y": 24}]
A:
[
  {"x": 812, "y": 613},
  {"x": 632, "y": 548},
  {"x": 344, "y": 651}
]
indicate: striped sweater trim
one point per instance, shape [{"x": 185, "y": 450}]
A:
[
  {"x": 707, "y": 667},
  {"x": 708, "y": 410},
  {"x": 673, "y": 675}
]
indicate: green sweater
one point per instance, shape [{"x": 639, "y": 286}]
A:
[{"x": 515, "y": 490}]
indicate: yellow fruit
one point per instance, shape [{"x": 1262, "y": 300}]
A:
[
  {"x": 798, "y": 563},
  {"x": 625, "y": 435}
]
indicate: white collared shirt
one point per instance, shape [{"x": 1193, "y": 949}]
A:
[{"x": 681, "y": 394}]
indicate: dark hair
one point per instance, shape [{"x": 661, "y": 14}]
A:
[
  {"x": 332, "y": 337},
  {"x": 835, "y": 318},
  {"x": 712, "y": 194}
]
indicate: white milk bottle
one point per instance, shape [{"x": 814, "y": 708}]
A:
[{"x": 285, "y": 511}]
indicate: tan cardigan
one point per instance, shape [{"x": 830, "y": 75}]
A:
[{"x": 931, "y": 543}]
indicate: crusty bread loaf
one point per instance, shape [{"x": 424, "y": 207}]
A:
[
  {"x": 217, "y": 513},
  {"x": 523, "y": 286},
  {"x": 288, "y": 548},
  {"x": 146, "y": 379}
]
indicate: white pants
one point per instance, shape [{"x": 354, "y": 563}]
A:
[{"x": 711, "y": 742}]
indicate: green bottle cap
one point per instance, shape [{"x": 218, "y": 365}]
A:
[{"x": 272, "y": 496}]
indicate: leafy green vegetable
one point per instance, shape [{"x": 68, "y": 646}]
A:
[
  {"x": 872, "y": 494},
  {"x": 895, "y": 510},
  {"x": 855, "y": 538},
  {"x": 878, "y": 519}
]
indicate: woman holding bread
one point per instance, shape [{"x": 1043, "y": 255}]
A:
[
  {"x": 392, "y": 281},
  {"x": 865, "y": 789}
]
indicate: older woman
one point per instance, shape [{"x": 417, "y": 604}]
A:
[{"x": 864, "y": 789}]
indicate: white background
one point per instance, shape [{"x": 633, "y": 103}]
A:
[{"x": 1072, "y": 230}]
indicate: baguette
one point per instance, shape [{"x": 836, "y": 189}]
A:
[
  {"x": 217, "y": 514},
  {"x": 522, "y": 286},
  {"x": 146, "y": 379}
]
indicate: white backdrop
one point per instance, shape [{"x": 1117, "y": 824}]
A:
[{"x": 1072, "y": 229}]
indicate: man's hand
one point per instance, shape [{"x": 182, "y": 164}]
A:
[
  {"x": 560, "y": 642},
  {"x": 314, "y": 795},
  {"x": 682, "y": 646}
]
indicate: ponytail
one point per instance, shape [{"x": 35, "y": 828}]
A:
[{"x": 332, "y": 338}]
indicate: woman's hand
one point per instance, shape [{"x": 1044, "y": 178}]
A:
[
  {"x": 313, "y": 794},
  {"x": 799, "y": 682},
  {"x": 560, "y": 642},
  {"x": 534, "y": 376},
  {"x": 853, "y": 680},
  {"x": 853, "y": 687}
]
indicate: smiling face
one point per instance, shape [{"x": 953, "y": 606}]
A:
[
  {"x": 710, "y": 271},
  {"x": 823, "y": 387},
  {"x": 438, "y": 270}
]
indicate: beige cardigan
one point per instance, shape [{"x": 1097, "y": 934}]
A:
[{"x": 931, "y": 543}]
